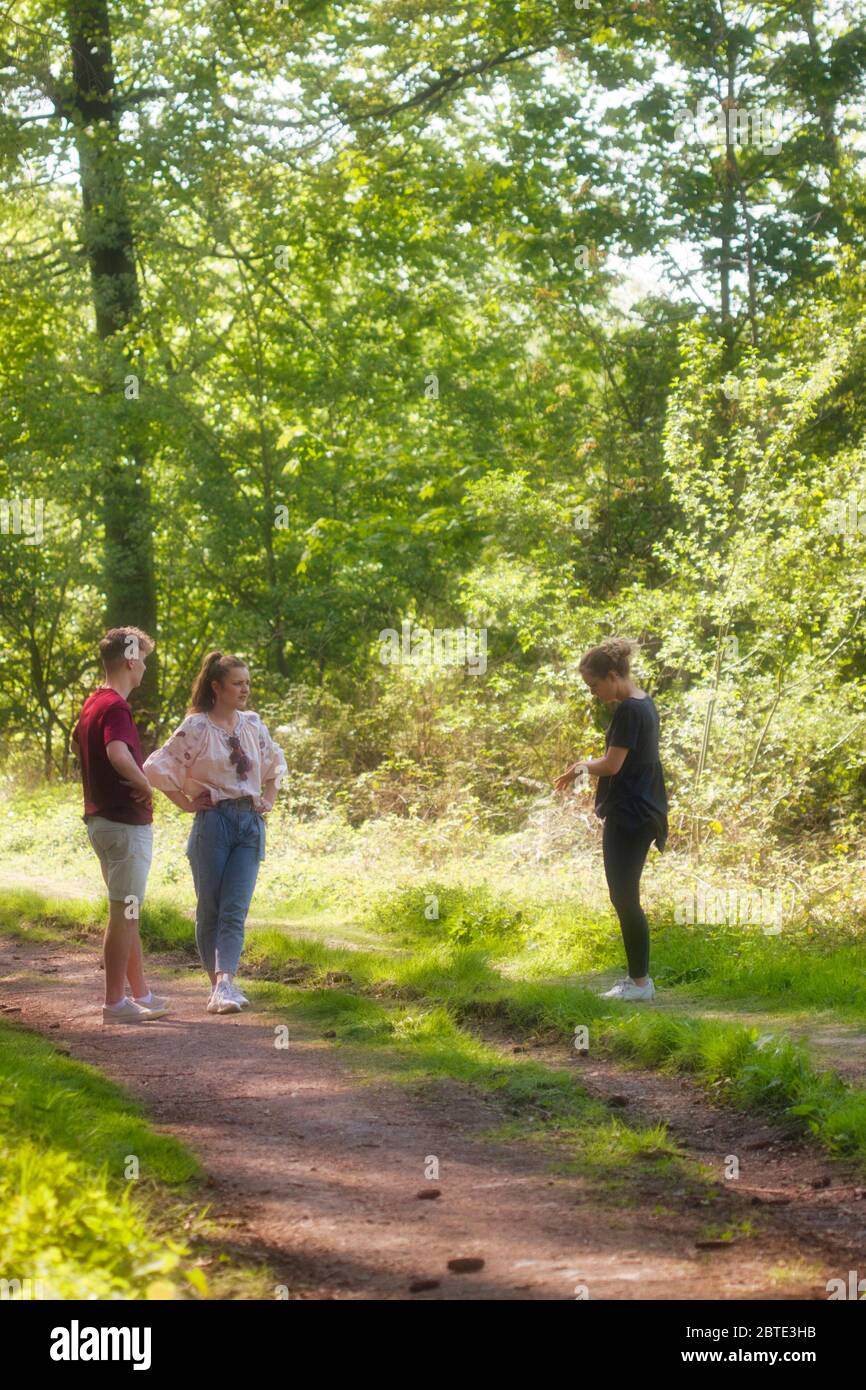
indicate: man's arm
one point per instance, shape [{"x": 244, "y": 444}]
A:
[{"x": 127, "y": 769}]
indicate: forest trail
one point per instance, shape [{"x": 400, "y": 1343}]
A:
[
  {"x": 834, "y": 1043},
  {"x": 319, "y": 1170}
]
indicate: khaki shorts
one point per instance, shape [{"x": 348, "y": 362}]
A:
[{"x": 124, "y": 853}]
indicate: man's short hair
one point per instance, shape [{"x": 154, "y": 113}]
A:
[{"x": 122, "y": 643}]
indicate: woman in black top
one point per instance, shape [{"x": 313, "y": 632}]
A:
[{"x": 630, "y": 798}]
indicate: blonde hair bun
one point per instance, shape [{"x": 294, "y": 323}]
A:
[{"x": 611, "y": 654}]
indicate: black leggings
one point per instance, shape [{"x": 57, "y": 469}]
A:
[{"x": 625, "y": 853}]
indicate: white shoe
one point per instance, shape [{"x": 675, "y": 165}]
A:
[
  {"x": 628, "y": 991},
  {"x": 238, "y": 994},
  {"x": 222, "y": 1000},
  {"x": 212, "y": 999},
  {"x": 158, "y": 1004},
  {"x": 127, "y": 1011}
]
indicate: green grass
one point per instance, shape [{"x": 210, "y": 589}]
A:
[
  {"x": 764, "y": 1073},
  {"x": 452, "y": 913},
  {"x": 461, "y": 966},
  {"x": 755, "y": 1071},
  {"x": 425, "y": 1048},
  {"x": 795, "y": 970},
  {"x": 93, "y": 1203},
  {"x": 27, "y": 915},
  {"x": 802, "y": 968},
  {"x": 390, "y": 1027},
  {"x": 47, "y": 1097},
  {"x": 71, "y": 1223},
  {"x": 32, "y": 916}
]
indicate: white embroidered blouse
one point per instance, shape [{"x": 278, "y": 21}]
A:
[{"x": 200, "y": 756}]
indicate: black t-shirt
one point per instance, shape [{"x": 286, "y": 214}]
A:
[{"x": 636, "y": 795}]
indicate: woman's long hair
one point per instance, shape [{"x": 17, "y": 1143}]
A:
[{"x": 214, "y": 667}]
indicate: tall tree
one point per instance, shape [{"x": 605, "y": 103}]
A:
[{"x": 109, "y": 244}]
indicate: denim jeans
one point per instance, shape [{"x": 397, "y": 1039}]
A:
[{"x": 225, "y": 847}]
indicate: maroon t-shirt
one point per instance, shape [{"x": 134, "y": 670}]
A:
[{"x": 106, "y": 716}]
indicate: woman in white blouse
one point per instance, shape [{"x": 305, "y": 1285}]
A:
[{"x": 223, "y": 767}]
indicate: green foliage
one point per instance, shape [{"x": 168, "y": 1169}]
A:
[
  {"x": 762, "y": 1072},
  {"x": 70, "y": 1223},
  {"x": 460, "y": 916},
  {"x": 386, "y": 363}
]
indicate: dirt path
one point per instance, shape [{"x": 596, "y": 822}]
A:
[{"x": 321, "y": 1172}]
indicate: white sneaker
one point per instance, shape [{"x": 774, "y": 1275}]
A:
[
  {"x": 628, "y": 991},
  {"x": 222, "y": 1000},
  {"x": 127, "y": 1011},
  {"x": 616, "y": 991},
  {"x": 238, "y": 994},
  {"x": 157, "y": 1003}
]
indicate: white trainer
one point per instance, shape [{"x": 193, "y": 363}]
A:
[
  {"x": 238, "y": 994},
  {"x": 629, "y": 992},
  {"x": 223, "y": 1001},
  {"x": 127, "y": 1011},
  {"x": 157, "y": 1003}
]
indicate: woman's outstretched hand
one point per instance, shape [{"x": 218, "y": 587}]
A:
[{"x": 566, "y": 781}]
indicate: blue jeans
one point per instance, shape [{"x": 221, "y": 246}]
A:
[{"x": 225, "y": 848}]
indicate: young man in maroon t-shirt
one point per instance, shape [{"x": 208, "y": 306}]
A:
[{"x": 118, "y": 812}]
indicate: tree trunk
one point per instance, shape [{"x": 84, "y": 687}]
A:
[
  {"x": 130, "y": 592},
  {"x": 728, "y": 221}
]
